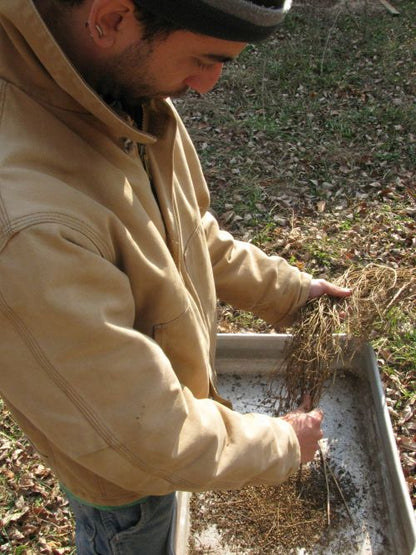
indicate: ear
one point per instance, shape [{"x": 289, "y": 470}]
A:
[{"x": 112, "y": 23}]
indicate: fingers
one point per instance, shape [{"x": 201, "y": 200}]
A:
[
  {"x": 307, "y": 426},
  {"x": 336, "y": 291},
  {"x": 318, "y": 415},
  {"x": 311, "y": 435},
  {"x": 321, "y": 287}
]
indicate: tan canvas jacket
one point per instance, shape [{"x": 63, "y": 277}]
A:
[{"x": 107, "y": 296}]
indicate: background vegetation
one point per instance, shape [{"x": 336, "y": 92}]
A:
[{"x": 309, "y": 148}]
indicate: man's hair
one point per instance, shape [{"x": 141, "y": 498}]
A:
[{"x": 153, "y": 25}]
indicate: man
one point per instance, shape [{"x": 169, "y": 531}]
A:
[{"x": 111, "y": 264}]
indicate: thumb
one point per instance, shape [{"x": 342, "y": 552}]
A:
[{"x": 306, "y": 402}]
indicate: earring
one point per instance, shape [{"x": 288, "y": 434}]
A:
[{"x": 99, "y": 31}]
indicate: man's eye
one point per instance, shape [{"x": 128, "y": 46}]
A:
[{"x": 203, "y": 66}]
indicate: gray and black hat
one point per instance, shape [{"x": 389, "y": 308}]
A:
[{"x": 236, "y": 20}]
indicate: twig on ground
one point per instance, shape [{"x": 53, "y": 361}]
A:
[
  {"x": 328, "y": 500},
  {"x": 340, "y": 492}
]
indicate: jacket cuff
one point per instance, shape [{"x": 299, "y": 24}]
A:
[{"x": 290, "y": 318}]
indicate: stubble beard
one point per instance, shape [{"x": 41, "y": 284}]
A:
[{"x": 127, "y": 79}]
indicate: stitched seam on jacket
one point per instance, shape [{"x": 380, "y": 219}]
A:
[
  {"x": 79, "y": 402},
  {"x": 18, "y": 224},
  {"x": 189, "y": 283},
  {"x": 3, "y": 213}
]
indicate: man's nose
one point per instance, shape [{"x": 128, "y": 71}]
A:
[{"x": 205, "y": 80}]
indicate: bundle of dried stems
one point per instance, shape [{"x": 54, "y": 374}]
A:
[{"x": 330, "y": 329}]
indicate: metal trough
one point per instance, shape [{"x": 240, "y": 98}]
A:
[{"x": 386, "y": 521}]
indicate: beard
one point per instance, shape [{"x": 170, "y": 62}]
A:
[{"x": 127, "y": 79}]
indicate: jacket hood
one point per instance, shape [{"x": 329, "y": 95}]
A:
[{"x": 41, "y": 68}]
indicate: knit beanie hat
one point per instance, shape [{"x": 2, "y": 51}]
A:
[{"x": 236, "y": 20}]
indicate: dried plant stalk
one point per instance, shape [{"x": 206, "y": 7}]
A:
[{"x": 315, "y": 342}]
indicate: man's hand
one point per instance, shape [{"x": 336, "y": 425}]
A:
[
  {"x": 322, "y": 287},
  {"x": 307, "y": 426}
]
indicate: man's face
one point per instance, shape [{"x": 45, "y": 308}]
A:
[{"x": 163, "y": 67}]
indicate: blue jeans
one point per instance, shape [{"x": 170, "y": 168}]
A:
[{"x": 141, "y": 529}]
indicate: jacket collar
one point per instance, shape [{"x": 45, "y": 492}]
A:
[{"x": 41, "y": 69}]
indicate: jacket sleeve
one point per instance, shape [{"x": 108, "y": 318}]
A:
[
  {"x": 248, "y": 279},
  {"x": 106, "y": 395}
]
